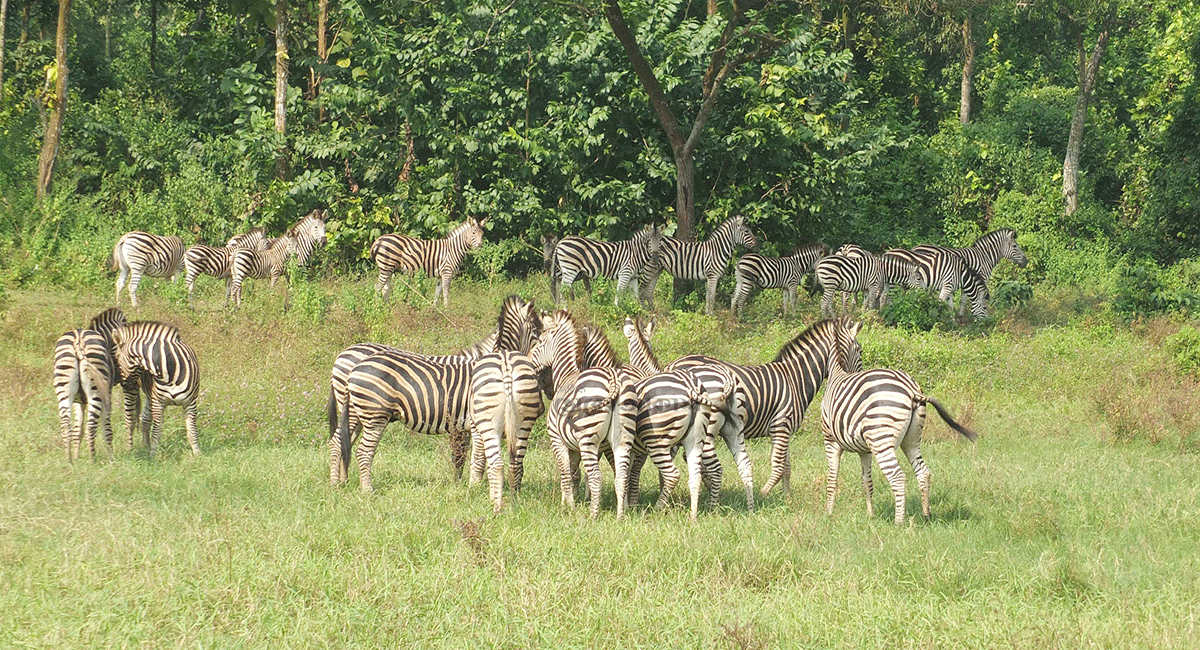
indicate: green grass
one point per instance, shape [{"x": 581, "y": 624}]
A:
[{"x": 1073, "y": 522}]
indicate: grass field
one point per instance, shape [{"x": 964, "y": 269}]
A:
[{"x": 1073, "y": 522}]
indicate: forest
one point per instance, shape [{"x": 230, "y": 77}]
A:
[{"x": 883, "y": 123}]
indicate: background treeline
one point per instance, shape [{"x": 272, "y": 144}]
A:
[{"x": 407, "y": 116}]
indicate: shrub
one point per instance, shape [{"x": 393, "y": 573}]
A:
[
  {"x": 1184, "y": 348},
  {"x": 917, "y": 310}
]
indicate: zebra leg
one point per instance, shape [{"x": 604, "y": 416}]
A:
[
  {"x": 64, "y": 419},
  {"x": 445, "y": 291},
  {"x": 193, "y": 435},
  {"x": 383, "y": 285},
  {"x": 669, "y": 474},
  {"x": 135, "y": 278},
  {"x": 911, "y": 445},
  {"x": 478, "y": 455},
  {"x": 710, "y": 294},
  {"x": 133, "y": 404},
  {"x": 692, "y": 455},
  {"x": 590, "y": 458},
  {"x": 637, "y": 460},
  {"x": 190, "y": 280},
  {"x": 148, "y": 420},
  {"x": 780, "y": 463},
  {"x": 106, "y": 422},
  {"x": 155, "y": 405},
  {"x": 71, "y": 421},
  {"x": 833, "y": 458},
  {"x": 710, "y": 470},
  {"x": 827, "y": 302},
  {"x": 372, "y": 431},
  {"x": 336, "y": 477},
  {"x": 624, "y": 280},
  {"x": 789, "y": 300},
  {"x": 460, "y": 444},
  {"x": 94, "y": 411},
  {"x": 737, "y": 447},
  {"x": 563, "y": 460},
  {"x": 890, "y": 466},
  {"x": 868, "y": 487}
]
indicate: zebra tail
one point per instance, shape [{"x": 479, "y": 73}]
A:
[
  {"x": 344, "y": 433},
  {"x": 555, "y": 275},
  {"x": 510, "y": 415},
  {"x": 112, "y": 259},
  {"x": 332, "y": 413},
  {"x": 965, "y": 432}
]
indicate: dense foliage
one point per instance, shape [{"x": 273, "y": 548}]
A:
[{"x": 423, "y": 113}]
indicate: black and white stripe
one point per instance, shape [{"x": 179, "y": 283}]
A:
[
  {"x": 770, "y": 399},
  {"x": 83, "y": 379},
  {"x": 985, "y": 253},
  {"x": 672, "y": 408},
  {"x": 875, "y": 413},
  {"x": 438, "y": 258},
  {"x": 850, "y": 274},
  {"x": 217, "y": 261},
  {"x": 372, "y": 384},
  {"x": 580, "y": 257},
  {"x": 138, "y": 254},
  {"x": 153, "y": 360},
  {"x": 754, "y": 270},
  {"x": 301, "y": 239},
  {"x": 705, "y": 260}
]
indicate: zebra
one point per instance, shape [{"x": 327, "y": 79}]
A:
[
  {"x": 580, "y": 257},
  {"x": 849, "y": 274},
  {"x": 217, "y": 261},
  {"x": 874, "y": 413},
  {"x": 705, "y": 260},
  {"x": 152, "y": 359},
  {"x": 84, "y": 374},
  {"x": 300, "y": 240},
  {"x": 584, "y": 422},
  {"x": 947, "y": 274},
  {"x": 771, "y": 398},
  {"x": 438, "y": 258},
  {"x": 505, "y": 401},
  {"x": 140, "y": 253},
  {"x": 754, "y": 270},
  {"x": 371, "y": 381},
  {"x": 672, "y": 407},
  {"x": 985, "y": 253}
]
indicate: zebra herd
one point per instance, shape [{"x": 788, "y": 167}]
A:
[{"x": 487, "y": 397}]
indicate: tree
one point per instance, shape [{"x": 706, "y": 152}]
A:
[
  {"x": 281, "y": 80},
  {"x": 3, "y": 21},
  {"x": 54, "y": 102},
  {"x": 740, "y": 41}
]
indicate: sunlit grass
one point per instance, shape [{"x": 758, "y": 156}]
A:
[{"x": 1066, "y": 525}]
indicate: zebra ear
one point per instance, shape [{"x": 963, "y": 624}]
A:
[
  {"x": 482, "y": 222},
  {"x": 855, "y": 328},
  {"x": 649, "y": 329}
]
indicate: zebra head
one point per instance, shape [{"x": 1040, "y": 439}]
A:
[
  {"x": 107, "y": 321},
  {"x": 742, "y": 232},
  {"x": 646, "y": 243},
  {"x": 914, "y": 276},
  {"x": 518, "y": 325},
  {"x": 847, "y": 350},
  {"x": 471, "y": 232},
  {"x": 1011, "y": 249}
]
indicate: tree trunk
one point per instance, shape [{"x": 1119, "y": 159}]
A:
[
  {"x": 281, "y": 80},
  {"x": 57, "y": 103},
  {"x": 3, "y": 20},
  {"x": 1087, "y": 81},
  {"x": 712, "y": 7},
  {"x": 685, "y": 195},
  {"x": 153, "y": 34},
  {"x": 964, "y": 96},
  {"x": 322, "y": 54}
]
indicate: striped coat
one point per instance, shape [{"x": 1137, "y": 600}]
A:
[
  {"x": 705, "y": 260},
  {"x": 83, "y": 379},
  {"x": 874, "y": 414},
  {"x": 138, "y": 254},
  {"x": 154, "y": 362},
  {"x": 301, "y": 240},
  {"x": 217, "y": 261},
  {"x": 754, "y": 270},
  {"x": 439, "y": 258},
  {"x": 580, "y": 257}
]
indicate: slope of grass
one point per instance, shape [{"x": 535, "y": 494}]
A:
[{"x": 1073, "y": 522}]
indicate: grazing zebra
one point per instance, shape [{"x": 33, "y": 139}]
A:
[
  {"x": 900, "y": 272},
  {"x": 438, "y": 258},
  {"x": 217, "y": 261},
  {"x": 874, "y": 413},
  {"x": 673, "y": 408},
  {"x": 300, "y": 240},
  {"x": 518, "y": 327},
  {"x": 585, "y": 420},
  {"x": 140, "y": 253},
  {"x": 580, "y": 257},
  {"x": 773, "y": 397},
  {"x": 947, "y": 274},
  {"x": 849, "y": 274},
  {"x": 754, "y": 270},
  {"x": 985, "y": 253},
  {"x": 705, "y": 260},
  {"x": 152, "y": 356}
]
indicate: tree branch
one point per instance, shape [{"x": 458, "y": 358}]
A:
[{"x": 645, "y": 74}]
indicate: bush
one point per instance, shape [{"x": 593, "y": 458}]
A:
[
  {"x": 1143, "y": 288},
  {"x": 917, "y": 310},
  {"x": 1184, "y": 348}
]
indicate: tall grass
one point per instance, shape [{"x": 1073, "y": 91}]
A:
[{"x": 1069, "y": 524}]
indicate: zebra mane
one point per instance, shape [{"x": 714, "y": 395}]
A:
[
  {"x": 133, "y": 328},
  {"x": 107, "y": 321},
  {"x": 515, "y": 314},
  {"x": 639, "y": 329},
  {"x": 997, "y": 236},
  {"x": 817, "y": 333},
  {"x": 598, "y": 350}
]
